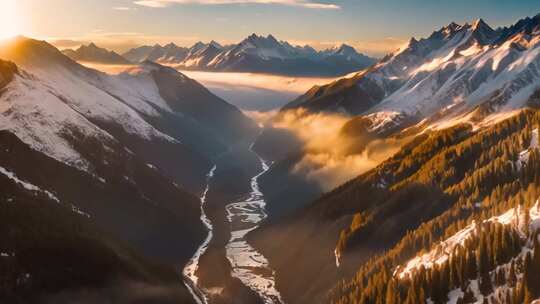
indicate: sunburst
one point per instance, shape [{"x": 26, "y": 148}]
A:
[{"x": 9, "y": 19}]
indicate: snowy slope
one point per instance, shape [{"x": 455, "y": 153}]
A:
[
  {"x": 442, "y": 252},
  {"x": 59, "y": 107},
  {"x": 514, "y": 217},
  {"x": 40, "y": 118},
  {"x": 44, "y": 107},
  {"x": 459, "y": 73}
]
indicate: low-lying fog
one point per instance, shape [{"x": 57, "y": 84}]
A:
[
  {"x": 256, "y": 92},
  {"x": 248, "y": 91}
]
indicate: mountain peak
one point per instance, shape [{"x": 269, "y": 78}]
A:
[
  {"x": 451, "y": 28},
  {"x": 215, "y": 44},
  {"x": 483, "y": 32},
  {"x": 480, "y": 23},
  {"x": 412, "y": 43},
  {"x": 345, "y": 46},
  {"x": 253, "y": 37},
  {"x": 94, "y": 53},
  {"x": 344, "y": 49},
  {"x": 268, "y": 42},
  {"x": 271, "y": 38},
  {"x": 27, "y": 52},
  {"x": 198, "y": 46}
]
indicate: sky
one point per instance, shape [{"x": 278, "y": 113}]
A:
[{"x": 375, "y": 27}]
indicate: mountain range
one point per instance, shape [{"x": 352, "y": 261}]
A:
[
  {"x": 93, "y": 53},
  {"x": 463, "y": 93},
  {"x": 111, "y": 163},
  {"x": 457, "y": 71},
  {"x": 256, "y": 54},
  {"x": 413, "y": 180}
]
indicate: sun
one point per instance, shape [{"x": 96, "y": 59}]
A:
[{"x": 9, "y": 19}]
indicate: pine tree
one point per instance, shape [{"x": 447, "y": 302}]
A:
[
  {"x": 391, "y": 293},
  {"x": 422, "y": 296},
  {"x": 412, "y": 298}
]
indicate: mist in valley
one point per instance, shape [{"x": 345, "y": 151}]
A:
[{"x": 332, "y": 157}]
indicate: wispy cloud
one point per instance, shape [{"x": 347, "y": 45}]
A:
[
  {"x": 299, "y": 3},
  {"x": 123, "y": 8}
]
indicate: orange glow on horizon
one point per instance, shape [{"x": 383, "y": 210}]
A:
[{"x": 9, "y": 19}]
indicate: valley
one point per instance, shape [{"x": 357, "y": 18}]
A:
[
  {"x": 263, "y": 171},
  {"x": 225, "y": 267}
]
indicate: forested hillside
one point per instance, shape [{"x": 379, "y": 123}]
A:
[{"x": 436, "y": 185}]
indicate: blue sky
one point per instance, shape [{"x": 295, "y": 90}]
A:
[{"x": 372, "y": 26}]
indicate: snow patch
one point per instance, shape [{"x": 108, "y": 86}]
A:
[
  {"x": 27, "y": 185},
  {"x": 441, "y": 253},
  {"x": 524, "y": 155}
]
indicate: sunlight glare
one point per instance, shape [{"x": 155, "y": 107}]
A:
[{"x": 9, "y": 20}]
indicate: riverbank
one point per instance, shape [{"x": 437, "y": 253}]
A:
[{"x": 231, "y": 182}]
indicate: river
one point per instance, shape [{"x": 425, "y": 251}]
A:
[
  {"x": 248, "y": 265},
  {"x": 190, "y": 271}
]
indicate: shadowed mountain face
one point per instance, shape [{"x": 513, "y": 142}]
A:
[
  {"x": 51, "y": 252},
  {"x": 256, "y": 54},
  {"x": 129, "y": 154},
  {"x": 187, "y": 96},
  {"x": 93, "y": 53}
]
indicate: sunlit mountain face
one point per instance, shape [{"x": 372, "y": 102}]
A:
[{"x": 160, "y": 152}]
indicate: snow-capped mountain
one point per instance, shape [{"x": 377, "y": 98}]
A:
[
  {"x": 461, "y": 94},
  {"x": 93, "y": 53},
  {"x": 344, "y": 52},
  {"x": 170, "y": 53},
  {"x": 147, "y": 102},
  {"x": 134, "y": 143},
  {"x": 258, "y": 54},
  {"x": 458, "y": 72}
]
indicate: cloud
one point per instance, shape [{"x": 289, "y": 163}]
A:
[
  {"x": 298, "y": 3},
  {"x": 261, "y": 117},
  {"x": 329, "y": 159},
  {"x": 152, "y": 3},
  {"x": 123, "y": 8}
]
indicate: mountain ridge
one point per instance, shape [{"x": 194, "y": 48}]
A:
[
  {"x": 93, "y": 53},
  {"x": 257, "y": 54},
  {"x": 464, "y": 91}
]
